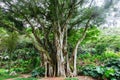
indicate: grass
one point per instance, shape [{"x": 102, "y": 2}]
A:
[
  {"x": 4, "y": 75},
  {"x": 25, "y": 79},
  {"x": 71, "y": 79}
]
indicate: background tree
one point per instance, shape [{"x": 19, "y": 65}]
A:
[{"x": 9, "y": 44}]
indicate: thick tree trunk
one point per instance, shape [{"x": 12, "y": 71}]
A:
[
  {"x": 59, "y": 54},
  {"x": 60, "y": 60}
]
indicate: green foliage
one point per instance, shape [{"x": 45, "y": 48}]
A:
[
  {"x": 27, "y": 56},
  {"x": 91, "y": 35},
  {"x": 9, "y": 44},
  {"x": 99, "y": 72},
  {"x": 26, "y": 79},
  {"x": 3, "y": 32},
  {"x": 100, "y": 48},
  {"x": 102, "y": 44},
  {"x": 96, "y": 59},
  {"x": 39, "y": 71},
  {"x": 5, "y": 75},
  {"x": 25, "y": 53},
  {"x": 27, "y": 59},
  {"x": 85, "y": 56},
  {"x": 115, "y": 64},
  {"x": 108, "y": 55},
  {"x": 24, "y": 56},
  {"x": 93, "y": 71},
  {"x": 110, "y": 71},
  {"x": 2, "y": 71},
  {"x": 18, "y": 70},
  {"x": 53, "y": 16},
  {"x": 22, "y": 65},
  {"x": 71, "y": 78},
  {"x": 92, "y": 64},
  {"x": 10, "y": 41}
]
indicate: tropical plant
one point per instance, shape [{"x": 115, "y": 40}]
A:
[{"x": 110, "y": 71}]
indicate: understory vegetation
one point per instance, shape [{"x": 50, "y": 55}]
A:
[
  {"x": 66, "y": 39},
  {"x": 27, "y": 60}
]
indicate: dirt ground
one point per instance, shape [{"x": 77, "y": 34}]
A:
[
  {"x": 60, "y": 78},
  {"x": 54, "y": 78}
]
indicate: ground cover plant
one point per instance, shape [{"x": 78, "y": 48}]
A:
[{"x": 5, "y": 75}]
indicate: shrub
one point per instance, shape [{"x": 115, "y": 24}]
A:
[
  {"x": 20, "y": 70},
  {"x": 5, "y": 75},
  {"x": 110, "y": 71},
  {"x": 94, "y": 71},
  {"x": 108, "y": 55},
  {"x": 115, "y": 64},
  {"x": 100, "y": 48},
  {"x": 39, "y": 71},
  {"x": 95, "y": 59}
]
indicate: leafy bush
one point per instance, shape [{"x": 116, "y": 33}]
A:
[
  {"x": 21, "y": 70},
  {"x": 5, "y": 75},
  {"x": 110, "y": 71},
  {"x": 86, "y": 59},
  {"x": 95, "y": 59},
  {"x": 39, "y": 71},
  {"x": 100, "y": 48},
  {"x": 94, "y": 71},
  {"x": 22, "y": 66},
  {"x": 115, "y": 64},
  {"x": 108, "y": 55},
  {"x": 27, "y": 59}
]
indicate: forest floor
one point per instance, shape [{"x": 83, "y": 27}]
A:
[
  {"x": 60, "y": 78},
  {"x": 53, "y": 78}
]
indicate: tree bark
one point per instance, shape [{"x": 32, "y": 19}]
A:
[{"x": 59, "y": 54}]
